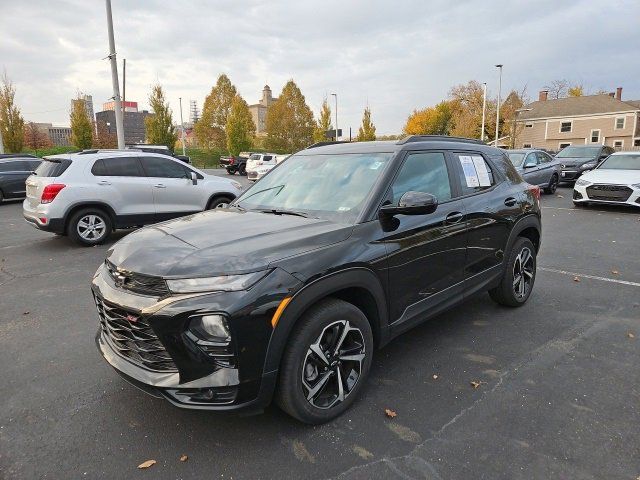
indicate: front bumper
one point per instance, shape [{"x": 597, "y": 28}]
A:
[
  {"x": 198, "y": 380},
  {"x": 586, "y": 194}
]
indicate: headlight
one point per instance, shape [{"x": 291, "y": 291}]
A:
[
  {"x": 226, "y": 283},
  {"x": 582, "y": 183},
  {"x": 238, "y": 185},
  {"x": 211, "y": 327},
  {"x": 588, "y": 166}
]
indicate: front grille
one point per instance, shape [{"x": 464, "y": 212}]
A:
[
  {"x": 136, "y": 282},
  {"x": 612, "y": 193},
  {"x": 132, "y": 337}
]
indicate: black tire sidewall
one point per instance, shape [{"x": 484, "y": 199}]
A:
[
  {"x": 72, "y": 230},
  {"x": 290, "y": 394},
  {"x": 518, "y": 246},
  {"x": 217, "y": 201},
  {"x": 242, "y": 169}
]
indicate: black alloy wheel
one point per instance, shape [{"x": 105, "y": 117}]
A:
[{"x": 519, "y": 275}]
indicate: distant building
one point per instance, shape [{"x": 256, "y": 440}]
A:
[
  {"x": 134, "y": 129},
  {"x": 259, "y": 110},
  {"x": 128, "y": 106},
  {"x": 60, "y": 136},
  {"x": 88, "y": 105},
  {"x": 590, "y": 119}
]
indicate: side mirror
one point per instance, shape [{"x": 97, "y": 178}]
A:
[
  {"x": 412, "y": 203},
  {"x": 194, "y": 178},
  {"x": 529, "y": 164}
]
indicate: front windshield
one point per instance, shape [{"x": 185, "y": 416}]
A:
[
  {"x": 333, "y": 187},
  {"x": 516, "y": 158},
  {"x": 578, "y": 152},
  {"x": 621, "y": 162}
]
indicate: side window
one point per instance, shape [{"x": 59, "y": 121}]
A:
[
  {"x": 267, "y": 158},
  {"x": 117, "y": 167},
  {"x": 13, "y": 166},
  {"x": 543, "y": 157},
  {"x": 475, "y": 173},
  {"x": 33, "y": 164},
  {"x": 163, "y": 168},
  {"x": 423, "y": 172}
]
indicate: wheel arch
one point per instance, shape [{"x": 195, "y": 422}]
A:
[
  {"x": 358, "y": 286},
  {"x": 528, "y": 227},
  {"x": 80, "y": 206},
  {"x": 217, "y": 195}
]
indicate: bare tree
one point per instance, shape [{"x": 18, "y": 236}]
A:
[{"x": 557, "y": 89}]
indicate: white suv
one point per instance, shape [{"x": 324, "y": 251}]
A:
[{"x": 89, "y": 194}]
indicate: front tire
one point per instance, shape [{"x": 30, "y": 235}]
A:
[
  {"x": 326, "y": 362},
  {"x": 242, "y": 169},
  {"x": 219, "y": 202},
  {"x": 231, "y": 171},
  {"x": 553, "y": 185},
  {"x": 519, "y": 276},
  {"x": 89, "y": 226}
]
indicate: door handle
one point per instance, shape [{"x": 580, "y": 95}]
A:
[
  {"x": 453, "y": 217},
  {"x": 160, "y": 185},
  {"x": 104, "y": 182},
  {"x": 510, "y": 201}
]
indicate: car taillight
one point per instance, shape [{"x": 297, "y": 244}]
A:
[
  {"x": 535, "y": 190},
  {"x": 231, "y": 161},
  {"x": 50, "y": 192}
]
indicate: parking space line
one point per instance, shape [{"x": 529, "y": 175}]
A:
[
  {"x": 590, "y": 210},
  {"x": 592, "y": 277}
]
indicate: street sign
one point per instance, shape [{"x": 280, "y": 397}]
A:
[{"x": 332, "y": 133}]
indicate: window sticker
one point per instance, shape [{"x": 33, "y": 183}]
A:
[
  {"x": 470, "y": 174},
  {"x": 481, "y": 169}
]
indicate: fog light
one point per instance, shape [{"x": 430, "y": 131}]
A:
[{"x": 211, "y": 327}]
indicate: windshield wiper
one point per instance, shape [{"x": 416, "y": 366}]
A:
[{"x": 276, "y": 211}]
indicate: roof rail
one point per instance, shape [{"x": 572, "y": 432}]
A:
[
  {"x": 322, "y": 144},
  {"x": 16, "y": 155},
  {"x": 88, "y": 151},
  {"x": 437, "y": 138}
]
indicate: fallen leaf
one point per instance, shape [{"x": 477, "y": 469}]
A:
[
  {"x": 560, "y": 196},
  {"x": 631, "y": 335},
  {"x": 184, "y": 458},
  {"x": 147, "y": 464},
  {"x": 615, "y": 272},
  {"x": 390, "y": 413},
  {"x": 476, "y": 384},
  {"x": 576, "y": 279},
  {"x": 26, "y": 312},
  {"x": 435, "y": 377}
]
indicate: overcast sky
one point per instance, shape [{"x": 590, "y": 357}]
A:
[{"x": 395, "y": 55}]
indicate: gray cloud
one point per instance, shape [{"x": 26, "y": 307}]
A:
[{"x": 396, "y": 56}]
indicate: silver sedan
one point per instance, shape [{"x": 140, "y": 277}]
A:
[{"x": 537, "y": 167}]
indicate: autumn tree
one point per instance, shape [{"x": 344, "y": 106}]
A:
[
  {"x": 509, "y": 112},
  {"x": 576, "y": 91},
  {"x": 557, "y": 89},
  {"x": 289, "y": 123},
  {"x": 436, "y": 120},
  {"x": 239, "y": 128},
  {"x": 159, "y": 126},
  {"x": 11, "y": 121},
  {"x": 210, "y": 128},
  {"x": 81, "y": 126},
  {"x": 466, "y": 102},
  {"x": 102, "y": 138},
  {"x": 323, "y": 124},
  {"x": 367, "y": 131},
  {"x": 35, "y": 138}
]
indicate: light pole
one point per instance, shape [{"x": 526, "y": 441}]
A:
[
  {"x": 114, "y": 78},
  {"x": 184, "y": 152},
  {"x": 484, "y": 109},
  {"x": 495, "y": 143},
  {"x": 336, "y": 95},
  {"x": 1, "y": 143}
]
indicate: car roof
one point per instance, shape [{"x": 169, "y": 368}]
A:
[{"x": 630, "y": 152}]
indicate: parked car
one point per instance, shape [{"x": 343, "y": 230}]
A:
[
  {"x": 289, "y": 290},
  {"x": 537, "y": 167},
  {"x": 14, "y": 170},
  {"x": 161, "y": 149},
  {"x": 234, "y": 164},
  {"x": 575, "y": 160},
  {"x": 616, "y": 181},
  {"x": 260, "y": 159},
  {"x": 87, "y": 195},
  {"x": 260, "y": 171}
]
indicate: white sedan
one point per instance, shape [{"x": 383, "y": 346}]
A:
[{"x": 615, "y": 181}]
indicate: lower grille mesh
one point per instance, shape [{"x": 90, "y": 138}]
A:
[{"x": 612, "y": 193}]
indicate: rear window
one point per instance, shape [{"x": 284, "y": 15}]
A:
[{"x": 52, "y": 167}]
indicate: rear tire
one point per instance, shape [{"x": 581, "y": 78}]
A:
[
  {"x": 242, "y": 169},
  {"x": 89, "y": 226},
  {"x": 317, "y": 387},
  {"x": 519, "y": 275},
  {"x": 231, "y": 171},
  {"x": 553, "y": 185}
]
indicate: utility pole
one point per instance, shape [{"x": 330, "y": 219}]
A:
[
  {"x": 336, "y": 95},
  {"x": 484, "y": 109},
  {"x": 124, "y": 84},
  {"x": 184, "y": 152},
  {"x": 495, "y": 143},
  {"x": 114, "y": 79},
  {"x": 1, "y": 143}
]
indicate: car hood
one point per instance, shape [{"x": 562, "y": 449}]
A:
[
  {"x": 572, "y": 161},
  {"x": 222, "y": 241},
  {"x": 619, "y": 177}
]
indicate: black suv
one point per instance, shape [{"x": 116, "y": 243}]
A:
[
  {"x": 576, "y": 160},
  {"x": 14, "y": 170},
  {"x": 288, "y": 292}
]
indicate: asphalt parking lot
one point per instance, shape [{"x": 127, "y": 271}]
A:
[{"x": 557, "y": 382}]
